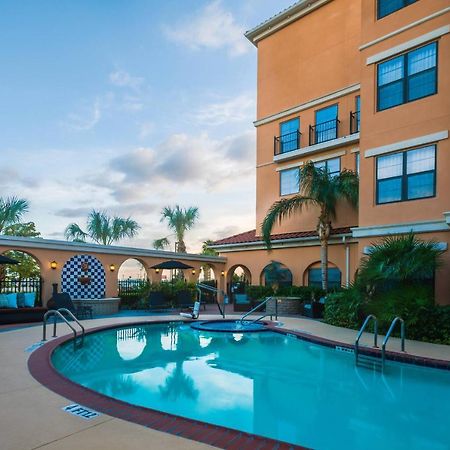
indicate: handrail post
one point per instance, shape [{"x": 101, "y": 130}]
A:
[{"x": 54, "y": 325}]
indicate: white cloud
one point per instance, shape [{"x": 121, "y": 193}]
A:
[
  {"x": 212, "y": 27},
  {"x": 237, "y": 109},
  {"x": 86, "y": 118},
  {"x": 121, "y": 78},
  {"x": 146, "y": 129}
]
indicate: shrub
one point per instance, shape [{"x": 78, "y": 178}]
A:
[{"x": 343, "y": 308}]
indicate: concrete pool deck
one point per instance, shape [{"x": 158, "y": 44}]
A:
[{"x": 31, "y": 415}]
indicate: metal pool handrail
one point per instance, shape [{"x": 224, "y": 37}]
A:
[
  {"x": 388, "y": 335},
  {"x": 259, "y": 306},
  {"x": 207, "y": 287},
  {"x": 59, "y": 313},
  {"x": 361, "y": 331}
]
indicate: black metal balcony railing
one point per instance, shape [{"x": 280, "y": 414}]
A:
[
  {"x": 286, "y": 143},
  {"x": 354, "y": 122},
  {"x": 323, "y": 132}
]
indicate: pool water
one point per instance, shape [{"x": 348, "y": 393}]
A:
[
  {"x": 235, "y": 326},
  {"x": 266, "y": 383}
]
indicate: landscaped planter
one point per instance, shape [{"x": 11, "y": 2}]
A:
[
  {"x": 100, "y": 306},
  {"x": 286, "y": 305}
]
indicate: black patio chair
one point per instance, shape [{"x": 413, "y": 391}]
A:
[
  {"x": 156, "y": 300},
  {"x": 63, "y": 300}
]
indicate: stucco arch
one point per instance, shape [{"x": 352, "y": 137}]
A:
[
  {"x": 317, "y": 265},
  {"x": 246, "y": 272},
  {"x": 139, "y": 260},
  {"x": 26, "y": 252},
  {"x": 287, "y": 276}
]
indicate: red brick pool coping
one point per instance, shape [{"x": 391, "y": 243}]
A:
[{"x": 41, "y": 368}]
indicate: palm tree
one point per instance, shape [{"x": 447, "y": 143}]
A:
[
  {"x": 11, "y": 211},
  {"x": 179, "y": 220},
  {"x": 318, "y": 189},
  {"x": 103, "y": 229},
  {"x": 402, "y": 260},
  {"x": 161, "y": 244}
]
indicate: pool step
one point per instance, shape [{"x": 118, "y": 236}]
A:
[{"x": 370, "y": 362}]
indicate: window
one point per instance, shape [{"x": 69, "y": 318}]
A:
[
  {"x": 407, "y": 77},
  {"x": 289, "y": 136},
  {"x": 358, "y": 113},
  {"x": 332, "y": 166},
  {"x": 326, "y": 124},
  {"x": 289, "y": 181},
  {"x": 386, "y": 7},
  {"x": 334, "y": 278},
  {"x": 357, "y": 163},
  {"x": 406, "y": 176}
]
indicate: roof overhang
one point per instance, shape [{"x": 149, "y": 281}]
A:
[
  {"x": 283, "y": 19},
  {"x": 51, "y": 244}
]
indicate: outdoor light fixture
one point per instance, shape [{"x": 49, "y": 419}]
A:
[
  {"x": 53, "y": 265},
  {"x": 193, "y": 271},
  {"x": 157, "y": 270},
  {"x": 222, "y": 273},
  {"x": 112, "y": 267}
]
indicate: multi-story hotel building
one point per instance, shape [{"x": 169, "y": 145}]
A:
[{"x": 356, "y": 84}]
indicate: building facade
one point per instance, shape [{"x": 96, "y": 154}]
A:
[{"x": 356, "y": 84}]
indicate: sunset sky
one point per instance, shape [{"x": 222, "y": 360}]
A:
[{"x": 129, "y": 106}]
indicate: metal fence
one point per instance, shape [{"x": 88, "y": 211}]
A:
[
  {"x": 131, "y": 287},
  {"x": 23, "y": 285}
]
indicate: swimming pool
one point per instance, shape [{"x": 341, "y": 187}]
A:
[{"x": 268, "y": 384}]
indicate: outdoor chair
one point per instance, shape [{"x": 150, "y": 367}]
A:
[
  {"x": 183, "y": 299},
  {"x": 63, "y": 300},
  {"x": 157, "y": 300},
  {"x": 195, "y": 312}
]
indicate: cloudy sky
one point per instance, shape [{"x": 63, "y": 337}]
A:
[{"x": 128, "y": 106}]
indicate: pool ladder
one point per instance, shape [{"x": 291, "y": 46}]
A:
[
  {"x": 59, "y": 313},
  {"x": 375, "y": 362},
  {"x": 242, "y": 320}
]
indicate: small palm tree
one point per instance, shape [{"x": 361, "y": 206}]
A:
[
  {"x": 179, "y": 220},
  {"x": 321, "y": 190},
  {"x": 403, "y": 260},
  {"x": 103, "y": 229},
  {"x": 11, "y": 211},
  {"x": 161, "y": 244}
]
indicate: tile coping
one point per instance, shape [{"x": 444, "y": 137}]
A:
[{"x": 42, "y": 369}]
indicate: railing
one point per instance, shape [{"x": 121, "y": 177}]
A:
[
  {"x": 354, "y": 122},
  {"x": 388, "y": 335},
  {"x": 286, "y": 143},
  {"x": 59, "y": 313},
  {"x": 209, "y": 288},
  {"x": 258, "y": 307},
  {"x": 323, "y": 132},
  {"x": 23, "y": 285},
  {"x": 361, "y": 330}
]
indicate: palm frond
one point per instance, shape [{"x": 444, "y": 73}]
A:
[
  {"x": 73, "y": 232},
  {"x": 11, "y": 210},
  {"x": 281, "y": 210},
  {"x": 161, "y": 244}
]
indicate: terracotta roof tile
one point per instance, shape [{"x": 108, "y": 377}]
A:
[{"x": 250, "y": 236}]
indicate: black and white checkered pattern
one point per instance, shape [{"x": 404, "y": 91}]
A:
[{"x": 72, "y": 271}]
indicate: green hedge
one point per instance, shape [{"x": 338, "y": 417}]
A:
[
  {"x": 304, "y": 293},
  {"x": 424, "y": 321}
]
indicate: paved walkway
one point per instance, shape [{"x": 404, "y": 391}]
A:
[{"x": 31, "y": 416}]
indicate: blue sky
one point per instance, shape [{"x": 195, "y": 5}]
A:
[{"x": 129, "y": 106}]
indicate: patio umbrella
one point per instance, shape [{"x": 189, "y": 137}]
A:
[
  {"x": 172, "y": 264},
  {"x": 5, "y": 260}
]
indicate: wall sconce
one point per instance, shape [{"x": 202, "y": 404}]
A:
[
  {"x": 156, "y": 270},
  {"x": 222, "y": 273},
  {"x": 53, "y": 265},
  {"x": 193, "y": 271},
  {"x": 112, "y": 267}
]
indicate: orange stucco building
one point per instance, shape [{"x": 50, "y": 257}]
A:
[{"x": 356, "y": 84}]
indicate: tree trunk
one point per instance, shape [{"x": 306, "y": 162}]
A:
[{"x": 324, "y": 230}]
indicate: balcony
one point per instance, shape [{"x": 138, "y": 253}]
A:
[
  {"x": 354, "y": 122},
  {"x": 323, "y": 132},
  {"x": 286, "y": 143}
]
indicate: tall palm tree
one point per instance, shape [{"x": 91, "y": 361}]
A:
[
  {"x": 179, "y": 220},
  {"x": 321, "y": 190},
  {"x": 11, "y": 211},
  {"x": 103, "y": 229}
]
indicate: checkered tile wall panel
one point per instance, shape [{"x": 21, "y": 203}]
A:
[{"x": 73, "y": 270}]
